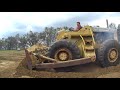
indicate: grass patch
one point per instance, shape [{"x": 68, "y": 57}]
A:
[{"x": 11, "y": 54}]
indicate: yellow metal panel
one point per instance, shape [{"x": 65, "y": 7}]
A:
[{"x": 84, "y": 39}]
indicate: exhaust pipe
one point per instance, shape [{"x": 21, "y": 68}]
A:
[{"x": 107, "y": 22}]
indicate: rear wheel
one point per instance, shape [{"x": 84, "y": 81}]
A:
[
  {"x": 112, "y": 55},
  {"x": 109, "y": 53}
]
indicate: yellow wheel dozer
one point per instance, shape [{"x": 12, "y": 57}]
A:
[{"x": 74, "y": 48}]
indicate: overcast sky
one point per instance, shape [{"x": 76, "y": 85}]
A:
[{"x": 24, "y": 21}]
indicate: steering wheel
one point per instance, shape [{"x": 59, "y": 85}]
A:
[{"x": 71, "y": 29}]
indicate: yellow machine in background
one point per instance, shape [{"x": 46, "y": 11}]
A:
[{"x": 77, "y": 47}]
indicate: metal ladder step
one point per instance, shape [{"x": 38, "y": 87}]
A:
[
  {"x": 89, "y": 47},
  {"x": 90, "y": 53}
]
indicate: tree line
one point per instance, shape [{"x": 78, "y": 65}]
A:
[{"x": 14, "y": 42}]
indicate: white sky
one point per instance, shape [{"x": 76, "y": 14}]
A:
[{"x": 42, "y": 19}]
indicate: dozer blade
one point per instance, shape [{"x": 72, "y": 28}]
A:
[
  {"x": 64, "y": 63},
  {"x": 53, "y": 63},
  {"x": 28, "y": 60}
]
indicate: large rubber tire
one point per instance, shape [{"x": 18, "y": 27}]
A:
[
  {"x": 75, "y": 52},
  {"x": 64, "y": 44},
  {"x": 103, "y": 52}
]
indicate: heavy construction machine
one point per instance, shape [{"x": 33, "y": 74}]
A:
[{"x": 89, "y": 44}]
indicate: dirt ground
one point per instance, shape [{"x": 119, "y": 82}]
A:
[
  {"x": 9, "y": 61},
  {"x": 10, "y": 67}
]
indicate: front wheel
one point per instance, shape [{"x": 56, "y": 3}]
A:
[{"x": 63, "y": 51}]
